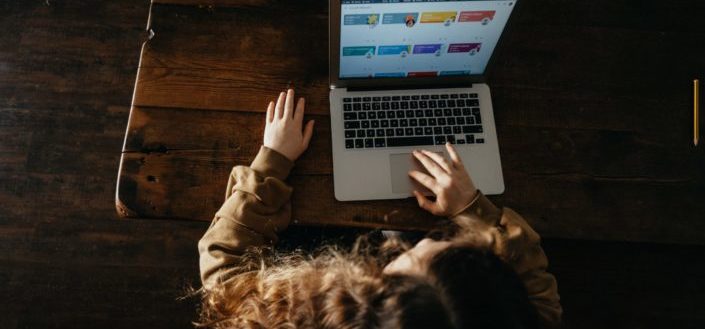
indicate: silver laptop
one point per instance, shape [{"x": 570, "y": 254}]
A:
[{"x": 408, "y": 75}]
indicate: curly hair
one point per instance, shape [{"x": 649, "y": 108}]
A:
[{"x": 335, "y": 288}]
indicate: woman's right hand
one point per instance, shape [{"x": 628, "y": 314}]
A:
[{"x": 449, "y": 181}]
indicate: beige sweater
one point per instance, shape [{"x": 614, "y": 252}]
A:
[{"x": 257, "y": 207}]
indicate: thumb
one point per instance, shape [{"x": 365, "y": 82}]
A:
[{"x": 308, "y": 132}]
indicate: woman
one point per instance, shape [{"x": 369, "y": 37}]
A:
[{"x": 491, "y": 274}]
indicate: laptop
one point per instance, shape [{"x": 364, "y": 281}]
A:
[{"x": 408, "y": 75}]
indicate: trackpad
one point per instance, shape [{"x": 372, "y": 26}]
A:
[{"x": 400, "y": 165}]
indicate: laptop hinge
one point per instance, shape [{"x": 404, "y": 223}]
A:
[{"x": 469, "y": 85}]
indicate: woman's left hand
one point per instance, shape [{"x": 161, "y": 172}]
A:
[{"x": 283, "y": 130}]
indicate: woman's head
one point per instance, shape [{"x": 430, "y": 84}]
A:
[{"x": 435, "y": 284}]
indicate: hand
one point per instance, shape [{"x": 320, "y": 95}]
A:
[
  {"x": 448, "y": 181},
  {"x": 282, "y": 132}
]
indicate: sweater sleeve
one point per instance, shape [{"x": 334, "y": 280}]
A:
[
  {"x": 257, "y": 207},
  {"x": 511, "y": 238}
]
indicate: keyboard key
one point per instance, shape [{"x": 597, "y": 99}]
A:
[
  {"x": 369, "y": 142},
  {"x": 380, "y": 132},
  {"x": 445, "y": 96},
  {"x": 447, "y": 130},
  {"x": 362, "y": 116},
  {"x": 413, "y": 122},
  {"x": 461, "y": 141},
  {"x": 361, "y": 133},
  {"x": 406, "y": 98},
  {"x": 418, "y": 131},
  {"x": 451, "y": 103},
  {"x": 359, "y": 143},
  {"x": 428, "y": 113},
  {"x": 478, "y": 120},
  {"x": 414, "y": 105},
  {"x": 382, "y": 115},
  {"x": 384, "y": 123},
  {"x": 389, "y": 132},
  {"x": 423, "y": 122},
  {"x": 440, "y": 140},
  {"x": 350, "y": 134},
  {"x": 410, "y": 141},
  {"x": 409, "y": 131},
  {"x": 379, "y": 142},
  {"x": 403, "y": 123},
  {"x": 376, "y": 106},
  {"x": 438, "y": 112},
  {"x": 409, "y": 113},
  {"x": 434, "y": 96},
  {"x": 352, "y": 124},
  {"x": 399, "y": 131},
  {"x": 349, "y": 143},
  {"x": 356, "y": 99},
  {"x": 441, "y": 121},
  {"x": 370, "y": 133},
  {"x": 365, "y": 124},
  {"x": 357, "y": 106},
  {"x": 366, "y": 106},
  {"x": 472, "y": 129},
  {"x": 366, "y": 99},
  {"x": 372, "y": 115},
  {"x": 418, "y": 113},
  {"x": 347, "y": 100},
  {"x": 391, "y": 114},
  {"x": 476, "y": 110},
  {"x": 467, "y": 111},
  {"x": 472, "y": 102},
  {"x": 457, "y": 112},
  {"x": 460, "y": 120},
  {"x": 470, "y": 139},
  {"x": 479, "y": 140},
  {"x": 437, "y": 130},
  {"x": 457, "y": 129},
  {"x": 442, "y": 103},
  {"x": 374, "y": 124},
  {"x": 469, "y": 120},
  {"x": 394, "y": 123},
  {"x": 377, "y": 99},
  {"x": 451, "y": 139},
  {"x": 386, "y": 98},
  {"x": 432, "y": 121},
  {"x": 453, "y": 95},
  {"x": 400, "y": 114},
  {"x": 473, "y": 95},
  {"x": 347, "y": 107},
  {"x": 415, "y": 97},
  {"x": 447, "y": 112},
  {"x": 404, "y": 105},
  {"x": 460, "y": 103},
  {"x": 395, "y": 105},
  {"x": 451, "y": 121},
  {"x": 396, "y": 98},
  {"x": 463, "y": 95},
  {"x": 386, "y": 106},
  {"x": 432, "y": 104},
  {"x": 428, "y": 131},
  {"x": 423, "y": 104},
  {"x": 350, "y": 116},
  {"x": 425, "y": 97}
]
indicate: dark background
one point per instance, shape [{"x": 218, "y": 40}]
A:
[{"x": 67, "y": 71}]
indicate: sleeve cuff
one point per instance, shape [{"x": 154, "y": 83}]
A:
[
  {"x": 480, "y": 207},
  {"x": 270, "y": 163}
]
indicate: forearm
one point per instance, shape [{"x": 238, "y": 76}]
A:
[
  {"x": 511, "y": 238},
  {"x": 256, "y": 209}
]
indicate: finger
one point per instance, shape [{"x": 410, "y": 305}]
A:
[
  {"x": 430, "y": 165},
  {"x": 425, "y": 180},
  {"x": 308, "y": 132},
  {"x": 439, "y": 159},
  {"x": 457, "y": 162},
  {"x": 289, "y": 106},
  {"x": 299, "y": 114},
  {"x": 279, "y": 109},
  {"x": 270, "y": 112},
  {"x": 425, "y": 203}
]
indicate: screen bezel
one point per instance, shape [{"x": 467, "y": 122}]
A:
[{"x": 334, "y": 9}]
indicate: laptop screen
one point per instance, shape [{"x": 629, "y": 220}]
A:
[{"x": 417, "y": 38}]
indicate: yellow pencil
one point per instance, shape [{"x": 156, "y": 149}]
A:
[{"x": 695, "y": 112}]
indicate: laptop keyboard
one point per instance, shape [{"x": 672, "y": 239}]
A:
[{"x": 412, "y": 120}]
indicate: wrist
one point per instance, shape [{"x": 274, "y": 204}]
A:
[{"x": 475, "y": 196}]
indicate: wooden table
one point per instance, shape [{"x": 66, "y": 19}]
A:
[{"x": 592, "y": 106}]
